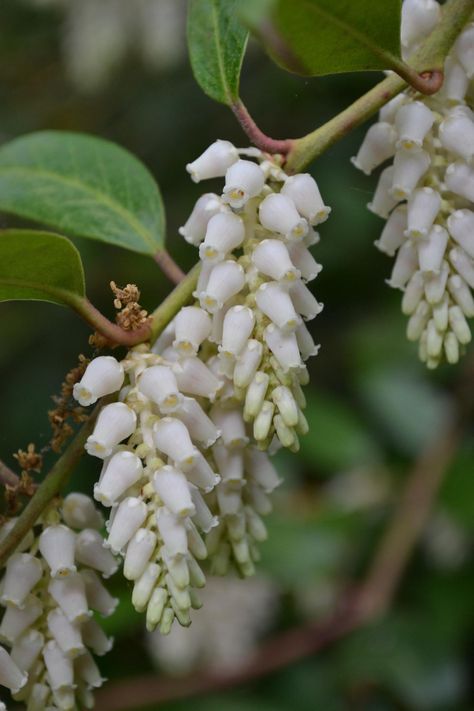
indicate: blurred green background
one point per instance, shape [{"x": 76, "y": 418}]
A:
[{"x": 118, "y": 69}]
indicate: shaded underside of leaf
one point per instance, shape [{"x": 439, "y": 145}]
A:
[
  {"x": 315, "y": 37},
  {"x": 83, "y": 186},
  {"x": 39, "y": 266},
  {"x": 217, "y": 42}
]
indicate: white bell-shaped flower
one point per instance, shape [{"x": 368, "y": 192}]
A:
[
  {"x": 408, "y": 168},
  {"x": 122, "y": 471},
  {"x": 406, "y": 264},
  {"x": 173, "y": 532},
  {"x": 259, "y": 467},
  {"x": 225, "y": 232},
  {"x": 237, "y": 329},
  {"x": 304, "y": 301},
  {"x": 393, "y": 234},
  {"x": 128, "y": 518},
  {"x": 463, "y": 264},
  {"x": 412, "y": 122},
  {"x": 278, "y": 213},
  {"x": 27, "y": 648},
  {"x": 88, "y": 672},
  {"x": 431, "y": 250},
  {"x": 66, "y": 635},
  {"x": 303, "y": 190},
  {"x": 139, "y": 552},
  {"x": 230, "y": 463},
  {"x": 231, "y": 425},
  {"x": 57, "y": 546},
  {"x": 95, "y": 638},
  {"x": 247, "y": 363},
  {"x": 15, "y": 620},
  {"x": 201, "y": 474},
  {"x": 203, "y": 516},
  {"x": 422, "y": 209},
  {"x": 195, "y": 378},
  {"x": 304, "y": 261},
  {"x": 377, "y": 146},
  {"x": 382, "y": 200},
  {"x": 461, "y": 294},
  {"x": 459, "y": 178},
  {"x": 464, "y": 49},
  {"x": 456, "y": 81},
  {"x": 271, "y": 257},
  {"x": 59, "y": 667},
  {"x": 10, "y": 675},
  {"x": 22, "y": 572},
  {"x": 70, "y": 595},
  {"x": 192, "y": 327},
  {"x": 275, "y": 302},
  {"x": 90, "y": 551},
  {"x": 98, "y": 597},
  {"x": 283, "y": 346},
  {"x": 104, "y": 375},
  {"x": 225, "y": 280},
  {"x": 456, "y": 134},
  {"x": 200, "y": 426},
  {"x": 435, "y": 284},
  {"x": 413, "y": 294},
  {"x": 158, "y": 384},
  {"x": 459, "y": 325},
  {"x": 419, "y": 17},
  {"x": 115, "y": 423},
  {"x": 194, "y": 229},
  {"x": 171, "y": 437},
  {"x": 144, "y": 586},
  {"x": 263, "y": 421},
  {"x": 78, "y": 511},
  {"x": 214, "y": 162},
  {"x": 255, "y": 395},
  {"x": 286, "y": 405},
  {"x": 461, "y": 228},
  {"x": 305, "y": 342},
  {"x": 243, "y": 180},
  {"x": 173, "y": 489}
]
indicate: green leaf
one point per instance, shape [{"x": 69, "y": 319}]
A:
[
  {"x": 83, "y": 186},
  {"x": 314, "y": 37},
  {"x": 216, "y": 42},
  {"x": 39, "y": 266}
]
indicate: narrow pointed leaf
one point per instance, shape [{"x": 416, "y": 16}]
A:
[
  {"x": 216, "y": 41},
  {"x": 39, "y": 266},
  {"x": 314, "y": 37},
  {"x": 82, "y": 186}
]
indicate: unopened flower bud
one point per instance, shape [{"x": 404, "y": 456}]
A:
[
  {"x": 139, "y": 552},
  {"x": 128, "y": 518},
  {"x": 431, "y": 250},
  {"x": 247, "y": 363},
  {"x": 173, "y": 532}
]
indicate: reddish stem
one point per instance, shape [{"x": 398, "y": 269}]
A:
[
  {"x": 258, "y": 138},
  {"x": 168, "y": 266}
]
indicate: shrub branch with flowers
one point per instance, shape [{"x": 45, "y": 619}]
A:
[{"x": 212, "y": 384}]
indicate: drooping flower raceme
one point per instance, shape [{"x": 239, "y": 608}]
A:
[
  {"x": 51, "y": 586},
  {"x": 185, "y": 471},
  {"x": 426, "y": 195}
]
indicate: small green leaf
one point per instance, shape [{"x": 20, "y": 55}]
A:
[
  {"x": 314, "y": 37},
  {"x": 83, "y": 186},
  {"x": 216, "y": 41},
  {"x": 39, "y": 266}
]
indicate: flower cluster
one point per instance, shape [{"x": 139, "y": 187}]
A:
[
  {"x": 52, "y": 585},
  {"x": 220, "y": 386},
  {"x": 427, "y": 194}
]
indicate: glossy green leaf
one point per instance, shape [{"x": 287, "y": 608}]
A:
[
  {"x": 39, "y": 266},
  {"x": 216, "y": 41},
  {"x": 83, "y": 186},
  {"x": 314, "y": 37}
]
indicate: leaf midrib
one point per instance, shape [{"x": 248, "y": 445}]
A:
[
  {"x": 220, "y": 58},
  {"x": 97, "y": 196}
]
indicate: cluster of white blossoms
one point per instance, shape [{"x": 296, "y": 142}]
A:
[
  {"x": 221, "y": 385},
  {"x": 427, "y": 194},
  {"x": 50, "y": 590}
]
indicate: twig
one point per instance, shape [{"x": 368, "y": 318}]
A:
[
  {"x": 256, "y": 135},
  {"x": 168, "y": 266},
  {"x": 356, "y": 607},
  {"x": 7, "y": 476}
]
